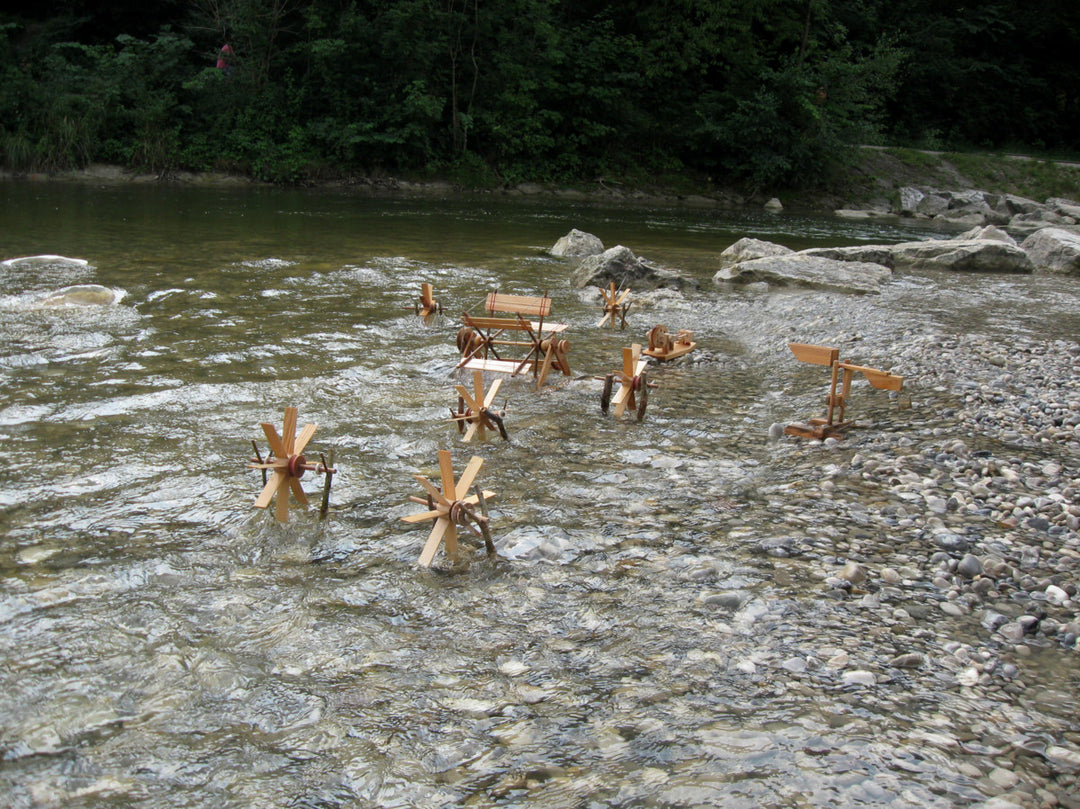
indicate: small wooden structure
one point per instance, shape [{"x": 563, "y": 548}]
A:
[
  {"x": 288, "y": 464},
  {"x": 663, "y": 346},
  {"x": 633, "y": 392},
  {"x": 833, "y": 424},
  {"x": 616, "y": 306},
  {"x": 449, "y": 508},
  {"x": 427, "y": 306},
  {"x": 510, "y": 326},
  {"x": 474, "y": 415}
]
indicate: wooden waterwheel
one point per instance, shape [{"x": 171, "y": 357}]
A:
[
  {"x": 450, "y": 507},
  {"x": 286, "y": 464}
]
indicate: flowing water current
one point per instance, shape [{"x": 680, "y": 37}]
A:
[{"x": 163, "y": 643}]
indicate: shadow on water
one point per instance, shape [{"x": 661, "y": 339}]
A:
[{"x": 632, "y": 646}]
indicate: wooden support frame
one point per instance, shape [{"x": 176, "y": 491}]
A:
[
  {"x": 288, "y": 464},
  {"x": 450, "y": 507},
  {"x": 633, "y": 392},
  {"x": 664, "y": 346},
  {"x": 616, "y": 306},
  {"x": 475, "y": 415},
  {"x": 482, "y": 338},
  {"x": 833, "y": 424}
]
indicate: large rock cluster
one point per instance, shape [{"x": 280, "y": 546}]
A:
[
  {"x": 863, "y": 268},
  {"x": 977, "y": 208}
]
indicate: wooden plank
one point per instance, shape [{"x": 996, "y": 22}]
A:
[
  {"x": 519, "y": 304},
  {"x": 512, "y": 324},
  {"x": 496, "y": 366},
  {"x": 677, "y": 350},
  {"x": 815, "y": 355}
]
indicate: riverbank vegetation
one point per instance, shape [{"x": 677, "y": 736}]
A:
[{"x": 755, "y": 95}]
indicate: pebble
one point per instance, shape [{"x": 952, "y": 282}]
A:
[
  {"x": 858, "y": 677},
  {"x": 970, "y": 566}
]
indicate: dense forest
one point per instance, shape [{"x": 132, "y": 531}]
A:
[{"x": 757, "y": 93}]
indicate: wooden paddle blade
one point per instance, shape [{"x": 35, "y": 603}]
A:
[
  {"x": 492, "y": 393},
  {"x": 883, "y": 380},
  {"x": 450, "y": 540},
  {"x": 281, "y": 507},
  {"x": 298, "y": 491},
  {"x": 471, "y": 431},
  {"x": 431, "y": 489},
  {"x": 434, "y": 538},
  {"x": 302, "y": 440},
  {"x": 274, "y": 440},
  {"x": 423, "y": 516},
  {"x": 628, "y": 360},
  {"x": 446, "y": 470},
  {"x": 622, "y": 297},
  {"x": 470, "y": 402},
  {"x": 623, "y": 397},
  {"x": 288, "y": 430},
  {"x": 470, "y": 473},
  {"x": 815, "y": 355},
  {"x": 271, "y": 487}
]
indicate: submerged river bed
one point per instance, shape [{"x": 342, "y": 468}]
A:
[{"x": 688, "y": 611}]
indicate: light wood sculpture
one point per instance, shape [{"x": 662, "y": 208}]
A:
[
  {"x": 481, "y": 338},
  {"x": 474, "y": 415},
  {"x": 833, "y": 425},
  {"x": 663, "y": 346},
  {"x": 427, "y": 306},
  {"x": 288, "y": 464},
  {"x": 634, "y": 385},
  {"x": 616, "y": 306},
  {"x": 449, "y": 508}
]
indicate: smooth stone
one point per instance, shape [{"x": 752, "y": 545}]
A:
[
  {"x": 969, "y": 567},
  {"x": 858, "y": 677}
]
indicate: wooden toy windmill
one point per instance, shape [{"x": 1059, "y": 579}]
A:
[
  {"x": 449, "y": 508},
  {"x": 633, "y": 392},
  {"x": 664, "y": 346},
  {"x": 427, "y": 306},
  {"x": 475, "y": 415},
  {"x": 287, "y": 464},
  {"x": 833, "y": 425},
  {"x": 616, "y": 306}
]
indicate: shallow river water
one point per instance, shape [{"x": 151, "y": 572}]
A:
[{"x": 658, "y": 629}]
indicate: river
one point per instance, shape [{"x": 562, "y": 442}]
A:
[{"x": 657, "y": 630}]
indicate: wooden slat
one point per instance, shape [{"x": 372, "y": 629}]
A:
[
  {"x": 496, "y": 366},
  {"x": 518, "y": 304},
  {"x": 815, "y": 355}
]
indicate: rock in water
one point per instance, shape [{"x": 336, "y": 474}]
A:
[
  {"x": 577, "y": 244},
  {"x": 82, "y": 295}
]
